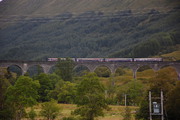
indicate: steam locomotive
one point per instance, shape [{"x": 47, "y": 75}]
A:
[{"x": 110, "y": 59}]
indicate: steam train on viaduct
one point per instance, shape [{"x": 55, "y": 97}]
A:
[{"x": 110, "y": 59}]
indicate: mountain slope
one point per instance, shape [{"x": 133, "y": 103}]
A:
[
  {"x": 44, "y": 7},
  {"x": 38, "y": 29}
]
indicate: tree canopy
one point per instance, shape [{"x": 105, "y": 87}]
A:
[
  {"x": 90, "y": 97},
  {"x": 65, "y": 69},
  {"x": 50, "y": 110},
  {"x": 22, "y": 95}
]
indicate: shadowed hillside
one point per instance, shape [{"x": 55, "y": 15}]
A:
[{"x": 38, "y": 29}]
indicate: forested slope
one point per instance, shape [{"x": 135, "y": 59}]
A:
[{"x": 39, "y": 29}]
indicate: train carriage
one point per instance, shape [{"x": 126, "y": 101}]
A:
[
  {"x": 56, "y": 59},
  {"x": 110, "y": 59},
  {"x": 118, "y": 59},
  {"x": 89, "y": 59},
  {"x": 148, "y": 59},
  {"x": 52, "y": 59}
]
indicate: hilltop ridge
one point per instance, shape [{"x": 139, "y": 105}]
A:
[{"x": 54, "y": 7}]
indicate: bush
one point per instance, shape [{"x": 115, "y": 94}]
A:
[
  {"x": 32, "y": 114},
  {"x": 50, "y": 110}
]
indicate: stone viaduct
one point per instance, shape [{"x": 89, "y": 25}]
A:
[{"x": 91, "y": 65}]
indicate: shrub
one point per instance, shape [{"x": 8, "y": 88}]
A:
[{"x": 50, "y": 110}]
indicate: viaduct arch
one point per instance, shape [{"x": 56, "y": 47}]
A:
[{"x": 92, "y": 65}]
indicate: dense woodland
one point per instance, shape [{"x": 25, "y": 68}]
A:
[
  {"x": 91, "y": 34},
  {"x": 91, "y": 92}
]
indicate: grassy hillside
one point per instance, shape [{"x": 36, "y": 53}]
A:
[
  {"x": 174, "y": 55},
  {"x": 171, "y": 56},
  {"x": 64, "y": 28}
]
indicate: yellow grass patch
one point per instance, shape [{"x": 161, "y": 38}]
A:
[{"x": 115, "y": 113}]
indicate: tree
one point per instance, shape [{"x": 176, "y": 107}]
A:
[
  {"x": 54, "y": 79},
  {"x": 90, "y": 98},
  {"x": 32, "y": 114},
  {"x": 50, "y": 110},
  {"x": 120, "y": 71},
  {"x": 67, "y": 93},
  {"x": 22, "y": 95},
  {"x": 65, "y": 69},
  {"x": 64, "y": 92},
  {"x": 102, "y": 71},
  {"x": 173, "y": 103},
  {"x": 143, "y": 112},
  {"x": 134, "y": 91},
  {"x": 162, "y": 81},
  {"x": 4, "y": 84},
  {"x": 111, "y": 89},
  {"x": 58, "y": 87},
  {"x": 45, "y": 86}
]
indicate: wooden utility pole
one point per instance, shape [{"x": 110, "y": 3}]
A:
[
  {"x": 150, "y": 109},
  {"x": 162, "y": 109},
  {"x": 125, "y": 99}
]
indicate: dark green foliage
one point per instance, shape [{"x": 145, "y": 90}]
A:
[
  {"x": 54, "y": 79},
  {"x": 57, "y": 89},
  {"x": 120, "y": 71},
  {"x": 4, "y": 84},
  {"x": 102, "y": 72},
  {"x": 157, "y": 44},
  {"x": 6, "y": 113},
  {"x": 32, "y": 114},
  {"x": 90, "y": 98},
  {"x": 173, "y": 103},
  {"x": 45, "y": 86},
  {"x": 143, "y": 68},
  {"x": 67, "y": 94},
  {"x": 64, "y": 92},
  {"x": 90, "y": 34},
  {"x": 22, "y": 95},
  {"x": 64, "y": 68},
  {"x": 6, "y": 78},
  {"x": 143, "y": 112},
  {"x": 48, "y": 84},
  {"x": 69, "y": 118}
]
